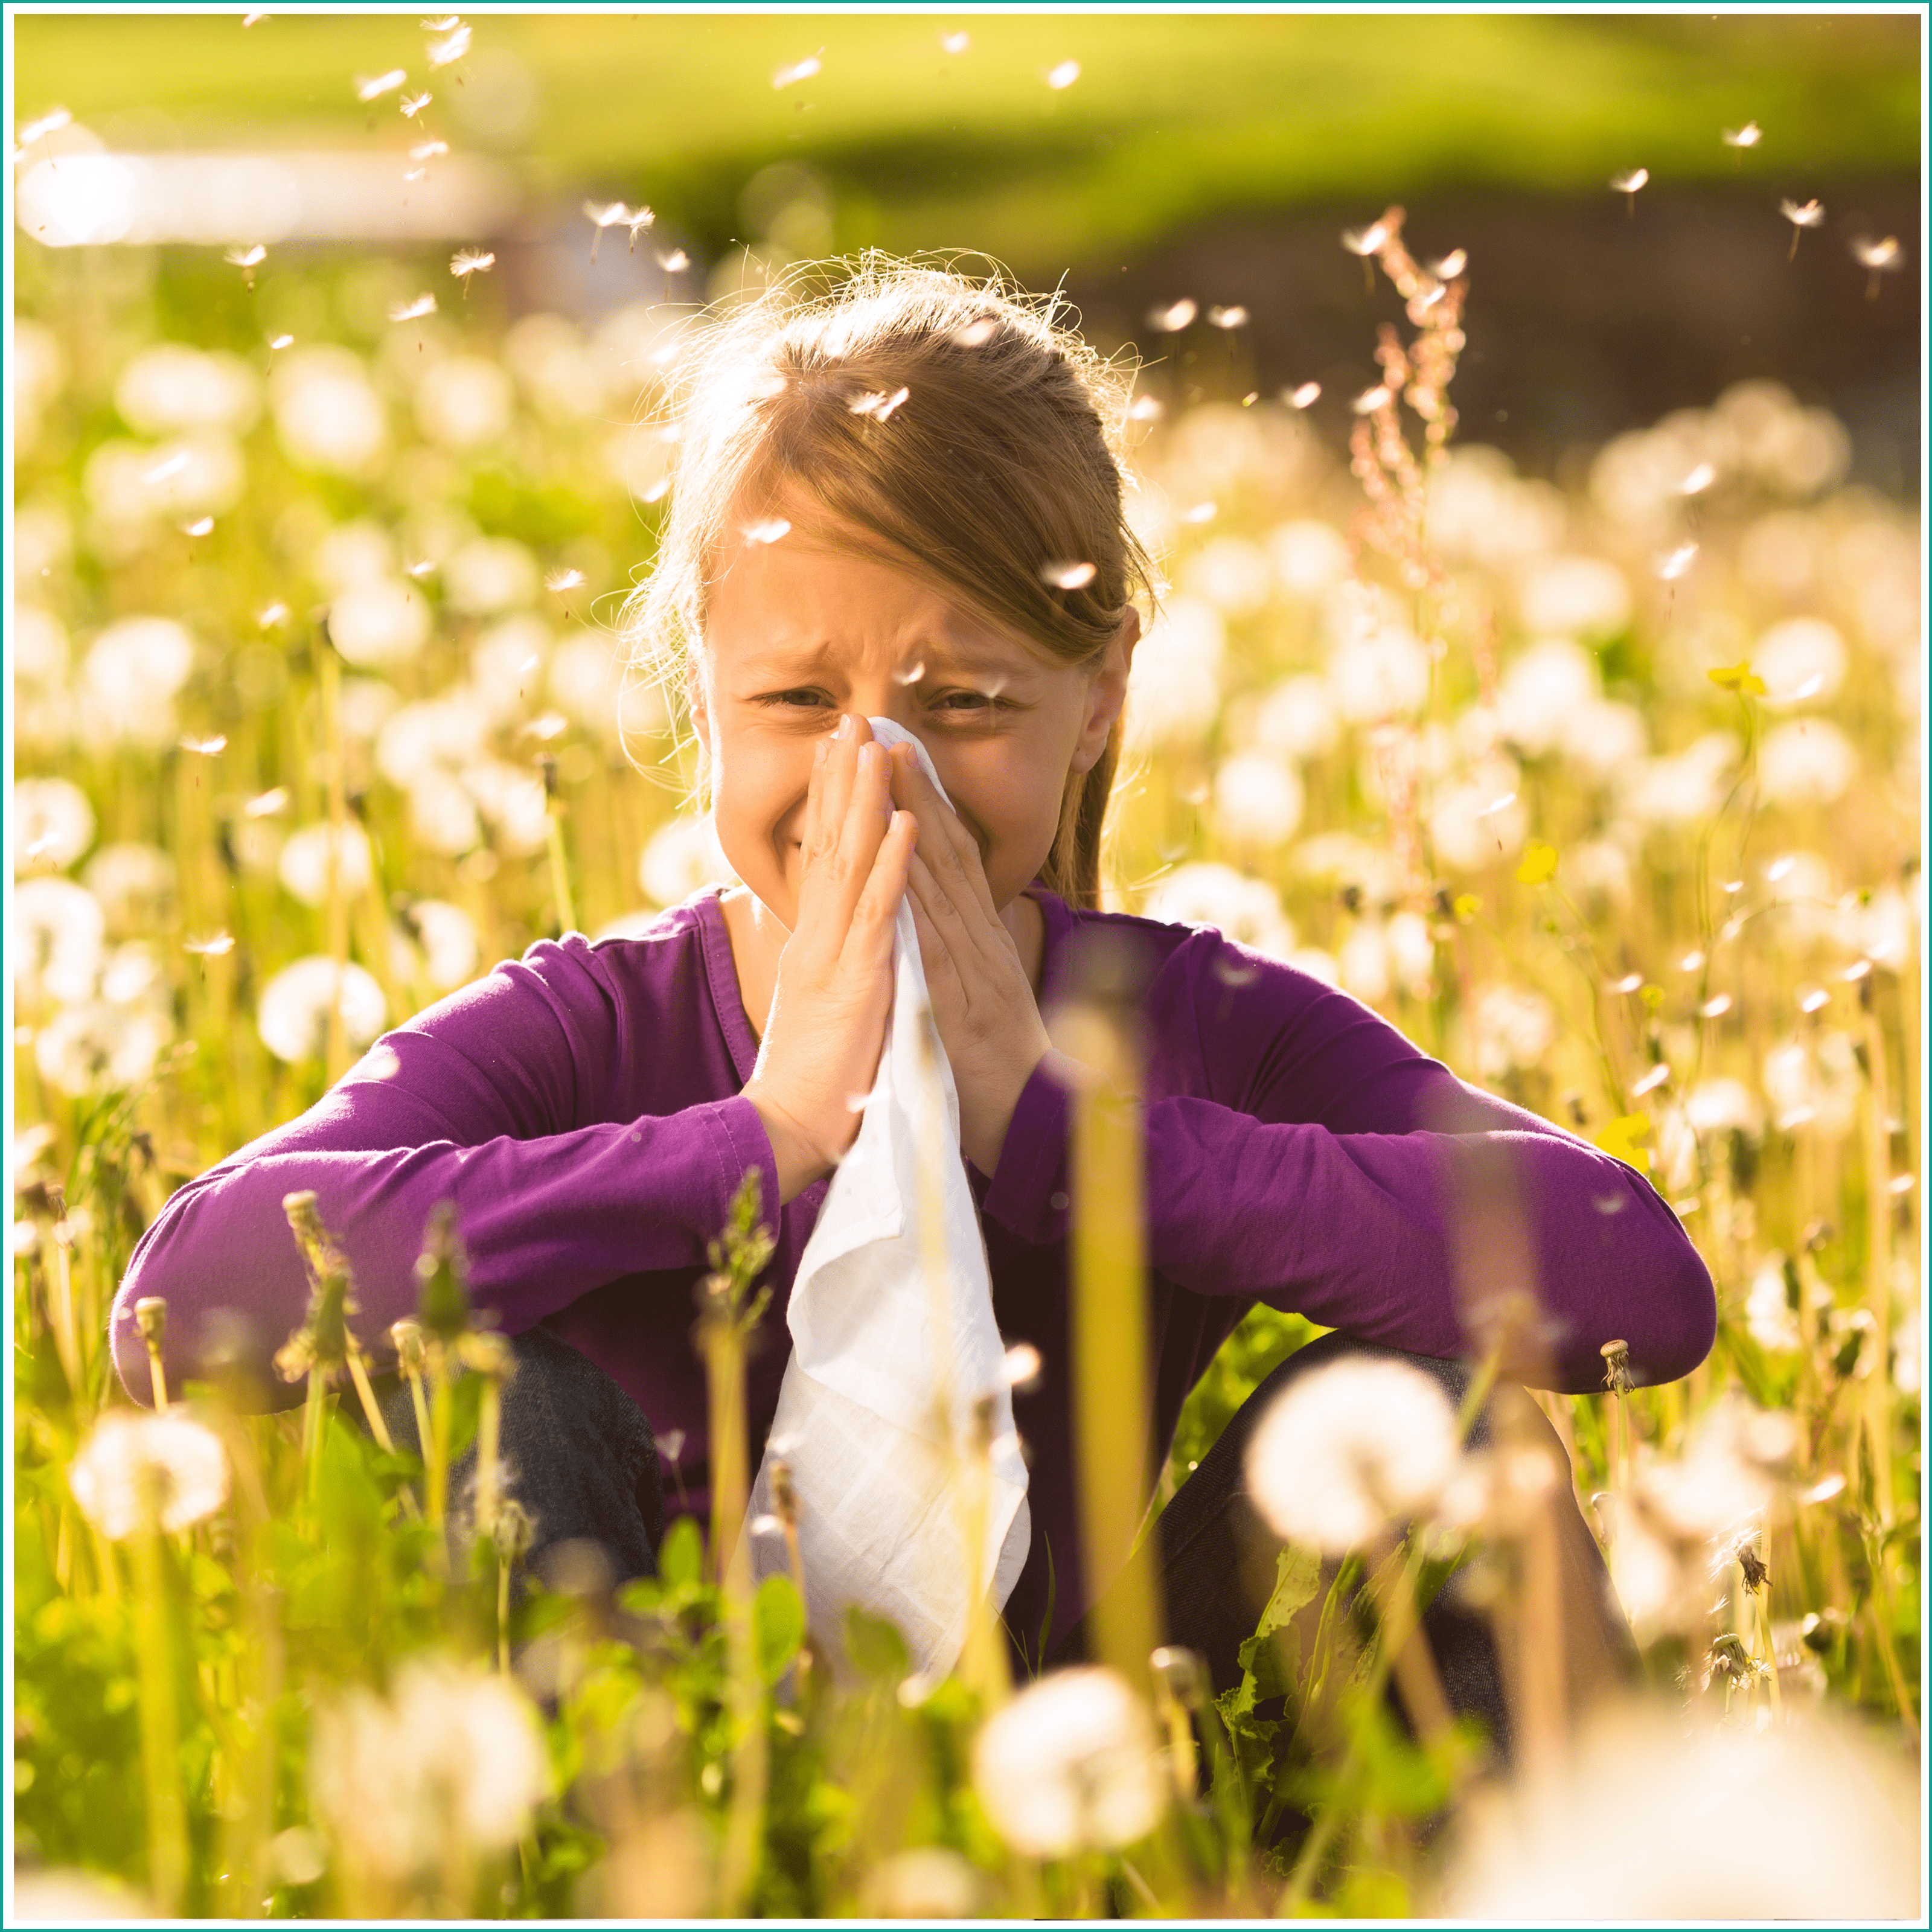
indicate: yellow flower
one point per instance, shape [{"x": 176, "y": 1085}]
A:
[
  {"x": 1740, "y": 678},
  {"x": 1619, "y": 1140},
  {"x": 1466, "y": 906},
  {"x": 1539, "y": 865}
]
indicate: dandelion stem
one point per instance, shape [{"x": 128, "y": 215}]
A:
[
  {"x": 312, "y": 1433},
  {"x": 336, "y": 1050},
  {"x": 560, "y": 870},
  {"x": 378, "y": 1428},
  {"x": 1877, "y": 1403},
  {"x": 161, "y": 1756}
]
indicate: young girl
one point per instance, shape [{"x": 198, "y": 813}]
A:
[{"x": 902, "y": 499}]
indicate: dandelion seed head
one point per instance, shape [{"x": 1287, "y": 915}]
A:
[
  {"x": 134, "y": 1468},
  {"x": 413, "y": 104},
  {"x": 1879, "y": 256},
  {"x": 562, "y": 579},
  {"x": 1068, "y": 576},
  {"x": 803, "y": 70},
  {"x": 374, "y": 88},
  {"x": 471, "y": 261},
  {"x": 213, "y": 947},
  {"x": 1232, "y": 317},
  {"x": 607, "y": 213},
  {"x": 244, "y": 258},
  {"x": 1303, "y": 394},
  {"x": 1346, "y": 1449},
  {"x": 1064, "y": 75},
  {"x": 1748, "y": 136},
  {"x": 1802, "y": 213},
  {"x": 451, "y": 48},
  {"x": 1630, "y": 181},
  {"x": 424, "y": 305}
]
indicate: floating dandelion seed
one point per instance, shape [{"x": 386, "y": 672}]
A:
[
  {"x": 912, "y": 677},
  {"x": 443, "y": 23},
  {"x": 1064, "y": 75},
  {"x": 280, "y": 341},
  {"x": 1691, "y": 962},
  {"x": 1802, "y": 215},
  {"x": 199, "y": 527},
  {"x": 413, "y": 104},
  {"x": 271, "y": 615},
  {"x": 604, "y": 215},
  {"x": 267, "y": 804},
  {"x": 1369, "y": 400},
  {"x": 1068, "y": 576},
  {"x": 1021, "y": 1366},
  {"x": 1629, "y": 983},
  {"x": 798, "y": 71},
  {"x": 1699, "y": 480},
  {"x": 1495, "y": 805},
  {"x": 878, "y": 405},
  {"x": 205, "y": 748},
  {"x": 470, "y": 262},
  {"x": 1877, "y": 258},
  {"x": 246, "y": 260},
  {"x": 429, "y": 151},
  {"x": 419, "y": 571},
  {"x": 213, "y": 947},
  {"x": 637, "y": 218},
  {"x": 1201, "y": 513},
  {"x": 1627, "y": 183},
  {"x": 367, "y": 90},
  {"x": 1651, "y": 1082},
  {"x": 563, "y": 580},
  {"x": 1748, "y": 136},
  {"x": 251, "y": 19},
  {"x": 453, "y": 47},
  {"x": 1144, "y": 409},
  {"x": 1451, "y": 265},
  {"x": 1300, "y": 397},
  {"x": 51, "y": 122},
  {"x": 1233, "y": 317},
  {"x": 976, "y": 334},
  {"x": 1716, "y": 1009},
  {"x": 423, "y": 305},
  {"x": 161, "y": 472},
  {"x": 675, "y": 263},
  {"x": 955, "y": 43},
  {"x": 766, "y": 530},
  {"x": 661, "y": 487},
  {"x": 1176, "y": 316},
  {"x": 1364, "y": 241},
  {"x": 1674, "y": 563}
]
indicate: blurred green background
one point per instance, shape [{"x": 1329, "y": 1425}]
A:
[{"x": 1215, "y": 157}]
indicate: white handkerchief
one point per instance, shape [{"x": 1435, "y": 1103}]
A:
[{"x": 887, "y": 1363}]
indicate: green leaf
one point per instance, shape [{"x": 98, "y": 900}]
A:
[
  {"x": 1270, "y": 1660},
  {"x": 778, "y": 1626},
  {"x": 875, "y": 1646},
  {"x": 681, "y": 1555}
]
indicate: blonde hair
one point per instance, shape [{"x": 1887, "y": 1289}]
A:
[{"x": 1005, "y": 459}]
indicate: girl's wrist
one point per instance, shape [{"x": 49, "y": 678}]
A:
[{"x": 797, "y": 1162}]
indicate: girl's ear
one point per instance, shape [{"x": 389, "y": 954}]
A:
[{"x": 1107, "y": 692}]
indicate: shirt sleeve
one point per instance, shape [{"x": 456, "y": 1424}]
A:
[
  {"x": 494, "y": 1098},
  {"x": 1324, "y": 1165}
]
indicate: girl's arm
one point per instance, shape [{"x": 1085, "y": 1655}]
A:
[
  {"x": 1327, "y": 1166},
  {"x": 499, "y": 1098}
]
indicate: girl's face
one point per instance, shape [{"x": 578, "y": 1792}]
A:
[{"x": 798, "y": 633}]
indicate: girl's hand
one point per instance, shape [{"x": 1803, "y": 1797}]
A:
[
  {"x": 982, "y": 999},
  {"x": 820, "y": 1054}
]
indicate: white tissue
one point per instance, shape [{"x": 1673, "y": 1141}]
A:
[{"x": 876, "y": 1410}]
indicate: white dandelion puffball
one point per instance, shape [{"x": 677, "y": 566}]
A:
[
  {"x": 380, "y": 623},
  {"x": 1813, "y": 1080},
  {"x": 43, "y": 701},
  {"x": 491, "y": 574},
  {"x": 444, "y": 733},
  {"x": 1575, "y": 597},
  {"x": 1807, "y": 761},
  {"x": 1246, "y": 910},
  {"x": 1479, "y": 820},
  {"x": 1802, "y": 661},
  {"x": 169, "y": 387},
  {"x": 1230, "y": 573},
  {"x": 1257, "y": 799},
  {"x": 39, "y": 369},
  {"x": 327, "y": 415},
  {"x": 53, "y": 824},
  {"x": 1349, "y": 1448},
  {"x": 293, "y": 1016},
  {"x": 511, "y": 800},
  {"x": 1769, "y": 1314},
  {"x": 1298, "y": 719},
  {"x": 1072, "y": 1764},
  {"x": 584, "y": 676},
  {"x": 1173, "y": 690},
  {"x": 464, "y": 402},
  {"x": 1379, "y": 673},
  {"x": 1514, "y": 1028},
  {"x": 1681, "y": 789},
  {"x": 1723, "y": 1106},
  {"x": 99, "y": 1047},
  {"x": 1309, "y": 558},
  {"x": 683, "y": 857},
  {"x": 1604, "y": 736},
  {"x": 357, "y": 552},
  {"x": 304, "y": 867},
  {"x": 130, "y": 677},
  {"x": 1542, "y": 691},
  {"x": 59, "y": 930},
  {"x": 136, "y": 1467},
  {"x": 455, "y": 1754},
  {"x": 451, "y": 950},
  {"x": 135, "y": 884},
  {"x": 443, "y": 815},
  {"x": 1817, "y": 1819},
  {"x": 1723, "y": 1483}
]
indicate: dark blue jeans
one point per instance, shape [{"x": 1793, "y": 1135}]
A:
[{"x": 583, "y": 1462}]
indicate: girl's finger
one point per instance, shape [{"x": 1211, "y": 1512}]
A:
[
  {"x": 949, "y": 848},
  {"x": 835, "y": 785},
  {"x": 934, "y": 952},
  {"x": 869, "y": 935},
  {"x": 868, "y": 814},
  {"x": 814, "y": 793}
]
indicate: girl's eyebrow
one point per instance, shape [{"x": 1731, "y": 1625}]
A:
[{"x": 935, "y": 657}]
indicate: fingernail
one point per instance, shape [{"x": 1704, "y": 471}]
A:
[{"x": 843, "y": 729}]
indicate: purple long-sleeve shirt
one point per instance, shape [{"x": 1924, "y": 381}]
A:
[{"x": 582, "y": 1108}]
